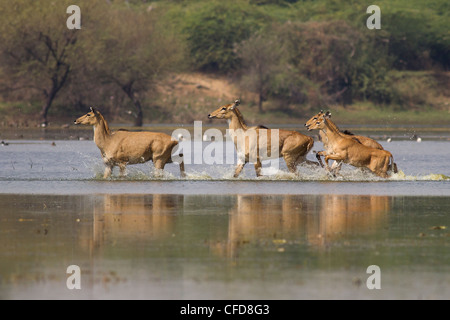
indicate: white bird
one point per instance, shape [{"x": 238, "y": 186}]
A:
[{"x": 417, "y": 138}]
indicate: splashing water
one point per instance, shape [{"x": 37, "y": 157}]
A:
[
  {"x": 269, "y": 174},
  {"x": 75, "y": 160}
]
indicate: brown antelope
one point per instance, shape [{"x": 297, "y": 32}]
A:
[
  {"x": 292, "y": 145},
  {"x": 368, "y": 142},
  {"x": 122, "y": 147},
  {"x": 344, "y": 148}
]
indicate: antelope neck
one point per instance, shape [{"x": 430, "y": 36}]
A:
[{"x": 237, "y": 122}]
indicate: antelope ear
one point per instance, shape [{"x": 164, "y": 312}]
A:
[
  {"x": 92, "y": 109},
  {"x": 237, "y": 102},
  {"x": 328, "y": 114}
]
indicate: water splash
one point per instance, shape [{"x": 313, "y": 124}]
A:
[
  {"x": 428, "y": 177},
  {"x": 270, "y": 174}
]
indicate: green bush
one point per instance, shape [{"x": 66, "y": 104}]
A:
[{"x": 213, "y": 29}]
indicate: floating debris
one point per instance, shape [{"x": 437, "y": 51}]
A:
[{"x": 438, "y": 228}]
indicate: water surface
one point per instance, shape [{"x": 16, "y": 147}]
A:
[
  {"x": 210, "y": 236},
  {"x": 224, "y": 246}
]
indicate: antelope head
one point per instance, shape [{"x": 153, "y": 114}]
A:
[
  {"x": 224, "y": 112},
  {"x": 90, "y": 118},
  {"x": 313, "y": 120},
  {"x": 318, "y": 121}
]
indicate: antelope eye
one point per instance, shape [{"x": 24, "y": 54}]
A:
[
  {"x": 315, "y": 118},
  {"x": 223, "y": 109}
]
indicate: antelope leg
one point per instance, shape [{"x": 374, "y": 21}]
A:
[
  {"x": 108, "y": 171},
  {"x": 122, "y": 169},
  {"x": 238, "y": 169},
  {"x": 319, "y": 159},
  {"x": 258, "y": 166},
  {"x": 336, "y": 167},
  {"x": 335, "y": 157}
]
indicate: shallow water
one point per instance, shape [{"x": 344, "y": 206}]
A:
[
  {"x": 75, "y": 167},
  {"x": 224, "y": 246},
  {"x": 210, "y": 236}
]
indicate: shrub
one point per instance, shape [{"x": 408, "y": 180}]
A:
[{"x": 212, "y": 31}]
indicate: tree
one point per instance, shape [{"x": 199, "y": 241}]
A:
[
  {"x": 212, "y": 32},
  {"x": 131, "y": 50},
  {"x": 37, "y": 49},
  {"x": 321, "y": 55},
  {"x": 261, "y": 56}
]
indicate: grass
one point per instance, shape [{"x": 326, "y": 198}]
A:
[
  {"x": 363, "y": 113},
  {"x": 388, "y": 115}
]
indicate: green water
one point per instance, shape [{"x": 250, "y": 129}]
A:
[{"x": 224, "y": 246}]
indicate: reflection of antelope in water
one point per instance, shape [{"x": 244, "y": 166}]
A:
[
  {"x": 123, "y": 147},
  {"x": 292, "y": 145},
  {"x": 338, "y": 215},
  {"x": 286, "y": 219},
  {"x": 261, "y": 217},
  {"x": 121, "y": 217},
  {"x": 368, "y": 142},
  {"x": 348, "y": 150}
]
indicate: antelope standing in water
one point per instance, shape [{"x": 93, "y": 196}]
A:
[
  {"x": 292, "y": 145},
  {"x": 344, "y": 148},
  {"x": 122, "y": 147}
]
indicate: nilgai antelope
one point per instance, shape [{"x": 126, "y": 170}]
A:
[
  {"x": 368, "y": 142},
  {"x": 122, "y": 147},
  {"x": 251, "y": 141},
  {"x": 345, "y": 148}
]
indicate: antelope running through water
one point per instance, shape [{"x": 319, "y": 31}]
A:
[
  {"x": 122, "y": 147},
  {"x": 368, "y": 142},
  {"x": 345, "y": 148},
  {"x": 292, "y": 145}
]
